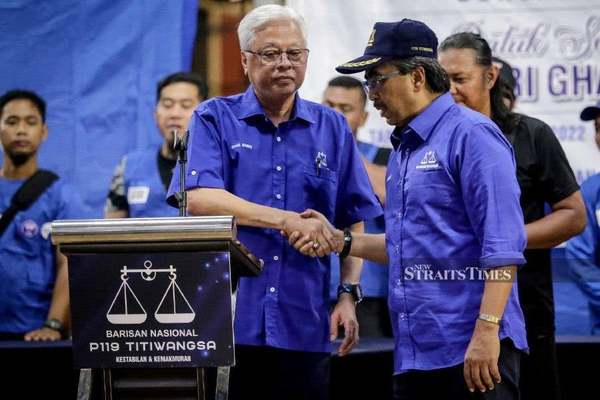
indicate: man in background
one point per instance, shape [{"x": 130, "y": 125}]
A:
[
  {"x": 141, "y": 179},
  {"x": 583, "y": 251},
  {"x": 346, "y": 95},
  {"x": 34, "y": 293}
]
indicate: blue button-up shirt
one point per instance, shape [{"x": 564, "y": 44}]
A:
[
  {"x": 310, "y": 161},
  {"x": 374, "y": 276},
  {"x": 452, "y": 211},
  {"x": 27, "y": 257}
]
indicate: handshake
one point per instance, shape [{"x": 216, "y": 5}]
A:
[{"x": 312, "y": 234}]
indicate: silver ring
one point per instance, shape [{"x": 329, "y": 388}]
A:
[{"x": 315, "y": 245}]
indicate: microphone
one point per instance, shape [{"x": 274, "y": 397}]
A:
[{"x": 180, "y": 147}]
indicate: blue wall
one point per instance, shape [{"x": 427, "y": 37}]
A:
[{"x": 96, "y": 63}]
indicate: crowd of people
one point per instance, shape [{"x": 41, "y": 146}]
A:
[{"x": 451, "y": 221}]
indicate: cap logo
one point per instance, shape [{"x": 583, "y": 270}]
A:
[
  {"x": 371, "y": 41},
  {"x": 361, "y": 63},
  {"x": 418, "y": 48}
]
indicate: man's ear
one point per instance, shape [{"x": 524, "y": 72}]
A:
[
  {"x": 44, "y": 132},
  {"x": 244, "y": 62},
  {"x": 363, "y": 118},
  {"x": 418, "y": 78}
]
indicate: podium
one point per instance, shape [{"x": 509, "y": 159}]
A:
[{"x": 152, "y": 303}]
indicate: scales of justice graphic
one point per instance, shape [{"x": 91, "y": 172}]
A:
[{"x": 126, "y": 308}]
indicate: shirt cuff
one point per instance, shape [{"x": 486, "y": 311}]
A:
[{"x": 502, "y": 259}]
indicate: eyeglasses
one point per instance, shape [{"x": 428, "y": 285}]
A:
[
  {"x": 272, "y": 57},
  {"x": 377, "y": 82}
]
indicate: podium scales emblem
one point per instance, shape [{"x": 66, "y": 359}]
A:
[{"x": 121, "y": 312}]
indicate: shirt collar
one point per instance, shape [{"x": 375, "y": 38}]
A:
[
  {"x": 251, "y": 107},
  {"x": 422, "y": 125}
]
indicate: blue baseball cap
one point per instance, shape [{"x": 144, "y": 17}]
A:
[
  {"x": 404, "y": 39},
  {"x": 590, "y": 113}
]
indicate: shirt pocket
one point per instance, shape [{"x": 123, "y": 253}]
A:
[
  {"x": 320, "y": 189},
  {"x": 431, "y": 197}
]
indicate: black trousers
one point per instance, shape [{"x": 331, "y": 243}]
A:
[
  {"x": 267, "y": 373},
  {"x": 539, "y": 369},
  {"x": 449, "y": 383}
]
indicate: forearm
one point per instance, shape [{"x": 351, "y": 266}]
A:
[
  {"x": 369, "y": 247},
  {"x": 497, "y": 290},
  {"x": 205, "y": 201},
  {"x": 351, "y": 267},
  {"x": 554, "y": 229},
  {"x": 59, "y": 307}
]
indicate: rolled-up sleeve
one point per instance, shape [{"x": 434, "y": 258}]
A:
[
  {"x": 491, "y": 195},
  {"x": 205, "y": 159}
]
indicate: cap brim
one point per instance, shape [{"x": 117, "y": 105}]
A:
[
  {"x": 360, "y": 64},
  {"x": 589, "y": 113}
]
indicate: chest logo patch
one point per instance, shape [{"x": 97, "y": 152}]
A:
[
  {"x": 429, "y": 161},
  {"x": 138, "y": 194},
  {"x": 29, "y": 228}
]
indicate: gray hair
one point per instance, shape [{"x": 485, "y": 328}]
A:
[{"x": 262, "y": 15}]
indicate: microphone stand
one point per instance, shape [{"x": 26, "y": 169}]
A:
[{"x": 180, "y": 146}]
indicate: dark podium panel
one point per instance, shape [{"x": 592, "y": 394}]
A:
[{"x": 151, "y": 302}]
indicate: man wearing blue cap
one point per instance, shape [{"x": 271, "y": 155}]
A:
[
  {"x": 583, "y": 251},
  {"x": 454, "y": 227}
]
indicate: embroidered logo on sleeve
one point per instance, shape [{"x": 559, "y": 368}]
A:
[
  {"x": 429, "y": 161},
  {"x": 138, "y": 194}
]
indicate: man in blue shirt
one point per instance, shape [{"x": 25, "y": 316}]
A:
[
  {"x": 264, "y": 156},
  {"x": 34, "y": 297},
  {"x": 583, "y": 251},
  {"x": 141, "y": 179},
  {"x": 346, "y": 95},
  {"x": 454, "y": 227}
]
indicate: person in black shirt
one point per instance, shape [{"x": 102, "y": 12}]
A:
[{"x": 545, "y": 177}]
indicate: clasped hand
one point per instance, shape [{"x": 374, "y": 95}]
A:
[{"x": 312, "y": 234}]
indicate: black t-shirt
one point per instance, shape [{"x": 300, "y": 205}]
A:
[
  {"x": 165, "y": 168},
  {"x": 545, "y": 177}
]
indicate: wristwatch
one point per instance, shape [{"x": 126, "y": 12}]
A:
[
  {"x": 354, "y": 289},
  {"x": 54, "y": 324},
  {"x": 347, "y": 244}
]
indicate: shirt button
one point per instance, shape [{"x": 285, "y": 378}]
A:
[
  {"x": 278, "y": 168},
  {"x": 193, "y": 172},
  {"x": 278, "y": 138},
  {"x": 272, "y": 289},
  {"x": 278, "y": 196},
  {"x": 276, "y": 258},
  {"x": 399, "y": 214}
]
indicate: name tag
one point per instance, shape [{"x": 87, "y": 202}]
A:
[{"x": 138, "y": 194}]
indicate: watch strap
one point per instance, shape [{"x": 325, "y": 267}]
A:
[
  {"x": 54, "y": 324},
  {"x": 347, "y": 244}
]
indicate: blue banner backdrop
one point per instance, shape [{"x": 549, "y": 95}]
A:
[{"x": 96, "y": 63}]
